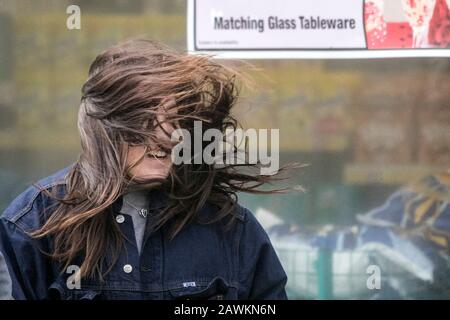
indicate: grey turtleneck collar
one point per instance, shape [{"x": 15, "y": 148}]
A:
[{"x": 132, "y": 205}]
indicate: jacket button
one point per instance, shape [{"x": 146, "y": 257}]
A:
[
  {"x": 127, "y": 268},
  {"x": 120, "y": 218}
]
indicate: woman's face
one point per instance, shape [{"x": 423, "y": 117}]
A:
[{"x": 155, "y": 163}]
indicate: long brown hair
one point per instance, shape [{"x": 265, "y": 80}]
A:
[{"x": 121, "y": 99}]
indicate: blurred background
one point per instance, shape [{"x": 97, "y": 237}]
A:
[{"x": 365, "y": 127}]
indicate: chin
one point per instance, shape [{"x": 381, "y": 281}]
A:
[
  {"x": 153, "y": 177},
  {"x": 149, "y": 182}
]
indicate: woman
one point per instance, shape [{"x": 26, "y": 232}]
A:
[{"x": 124, "y": 222}]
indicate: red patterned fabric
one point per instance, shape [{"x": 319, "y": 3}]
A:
[
  {"x": 398, "y": 36},
  {"x": 439, "y": 30}
]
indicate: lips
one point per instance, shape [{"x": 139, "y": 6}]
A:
[{"x": 157, "y": 154}]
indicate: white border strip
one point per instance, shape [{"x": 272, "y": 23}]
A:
[
  {"x": 347, "y": 54},
  {"x": 190, "y": 26}
]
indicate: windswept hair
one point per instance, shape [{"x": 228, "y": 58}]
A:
[{"x": 127, "y": 88}]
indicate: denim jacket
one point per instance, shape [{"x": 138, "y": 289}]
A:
[
  {"x": 5, "y": 281},
  {"x": 203, "y": 261}
]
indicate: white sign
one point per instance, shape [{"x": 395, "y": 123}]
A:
[{"x": 309, "y": 29}]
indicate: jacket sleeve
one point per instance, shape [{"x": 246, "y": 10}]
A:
[
  {"x": 25, "y": 262},
  {"x": 261, "y": 275},
  {"x": 5, "y": 280}
]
